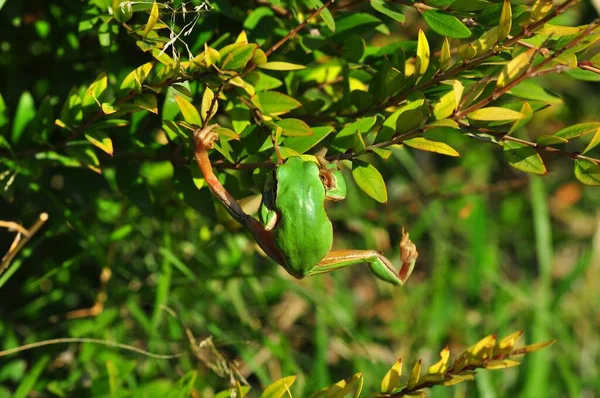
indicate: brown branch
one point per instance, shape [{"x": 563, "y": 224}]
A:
[
  {"x": 290, "y": 34},
  {"x": 536, "y": 71}
]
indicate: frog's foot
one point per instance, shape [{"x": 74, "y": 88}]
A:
[
  {"x": 205, "y": 138},
  {"x": 408, "y": 256}
]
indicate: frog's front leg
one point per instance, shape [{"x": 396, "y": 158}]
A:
[
  {"x": 204, "y": 140},
  {"x": 378, "y": 263}
]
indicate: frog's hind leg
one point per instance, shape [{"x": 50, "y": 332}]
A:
[{"x": 378, "y": 263}]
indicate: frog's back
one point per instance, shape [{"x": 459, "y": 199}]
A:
[{"x": 304, "y": 233}]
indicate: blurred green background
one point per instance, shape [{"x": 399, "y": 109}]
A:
[{"x": 500, "y": 251}]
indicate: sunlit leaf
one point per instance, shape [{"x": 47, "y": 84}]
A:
[
  {"x": 523, "y": 157},
  {"x": 392, "y": 380},
  {"x": 593, "y": 142},
  {"x": 423, "y": 55},
  {"x": 587, "y": 172},
  {"x": 101, "y": 140},
  {"x": 294, "y": 127},
  {"x": 493, "y": 114},
  {"x": 547, "y": 140},
  {"x": 279, "y": 388},
  {"x": 578, "y": 130},
  {"x": 189, "y": 111},
  {"x": 209, "y": 105},
  {"x": 441, "y": 366},
  {"x": 515, "y": 67},
  {"x": 431, "y": 146},
  {"x": 147, "y": 102},
  {"x": 151, "y": 19},
  {"x": 505, "y": 21},
  {"x": 274, "y": 103},
  {"x": 278, "y": 65},
  {"x": 445, "y": 55},
  {"x": 415, "y": 374}
]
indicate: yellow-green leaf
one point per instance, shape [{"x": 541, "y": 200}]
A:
[
  {"x": 446, "y": 105},
  {"x": 445, "y": 55},
  {"x": 423, "y": 55},
  {"x": 151, "y": 19},
  {"x": 227, "y": 133},
  {"x": 523, "y": 157},
  {"x": 441, "y": 366},
  {"x": 274, "y": 103},
  {"x": 593, "y": 143},
  {"x": 494, "y": 114},
  {"x": 505, "y": 21},
  {"x": 259, "y": 57},
  {"x": 501, "y": 364},
  {"x": 577, "y": 130},
  {"x": 508, "y": 342},
  {"x": 209, "y": 105},
  {"x": 239, "y": 82},
  {"x": 483, "y": 348},
  {"x": 147, "y": 102},
  {"x": 431, "y": 146},
  {"x": 101, "y": 140},
  {"x": 467, "y": 51},
  {"x": 278, "y": 65},
  {"x": 458, "y": 378},
  {"x": 525, "y": 110},
  {"x": 369, "y": 180},
  {"x": 515, "y": 67},
  {"x": 211, "y": 56},
  {"x": 415, "y": 374},
  {"x": 279, "y": 388},
  {"x": 294, "y": 127},
  {"x": 95, "y": 91},
  {"x": 540, "y": 9},
  {"x": 189, "y": 111},
  {"x": 547, "y": 140},
  {"x": 391, "y": 380},
  {"x": 587, "y": 172}
]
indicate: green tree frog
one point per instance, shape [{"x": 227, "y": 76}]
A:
[{"x": 295, "y": 230}]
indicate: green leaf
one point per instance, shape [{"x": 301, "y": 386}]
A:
[
  {"x": 29, "y": 381},
  {"x": 577, "y": 130},
  {"x": 151, "y": 19},
  {"x": 274, "y": 103},
  {"x": 24, "y": 114},
  {"x": 239, "y": 56},
  {"x": 303, "y": 144},
  {"x": 369, "y": 180},
  {"x": 505, "y": 21},
  {"x": 431, "y": 146},
  {"x": 279, "y": 388},
  {"x": 189, "y": 111},
  {"x": 423, "y": 55},
  {"x": 587, "y": 172},
  {"x": 533, "y": 91},
  {"x": 262, "y": 81},
  {"x": 208, "y": 108},
  {"x": 493, "y": 114},
  {"x": 278, "y": 65},
  {"x": 515, "y": 67},
  {"x": 353, "y": 48},
  {"x": 445, "y": 24},
  {"x": 523, "y": 157},
  {"x": 294, "y": 127},
  {"x": 101, "y": 140},
  {"x": 388, "y": 8}
]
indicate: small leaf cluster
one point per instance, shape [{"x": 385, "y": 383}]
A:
[{"x": 488, "y": 353}]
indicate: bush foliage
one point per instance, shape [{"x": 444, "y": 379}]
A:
[{"x": 128, "y": 268}]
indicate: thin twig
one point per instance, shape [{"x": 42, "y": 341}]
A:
[
  {"x": 8, "y": 257},
  {"x": 67, "y": 340},
  {"x": 290, "y": 34}
]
